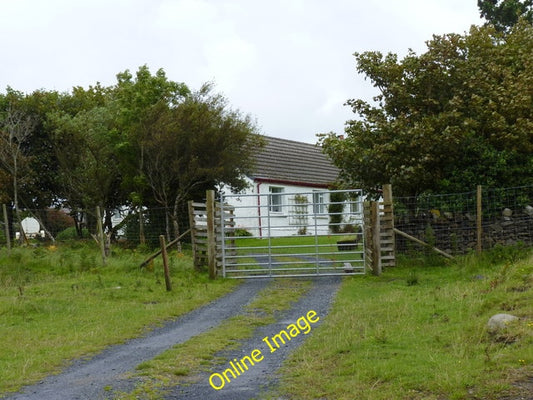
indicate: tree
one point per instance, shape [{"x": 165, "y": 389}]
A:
[
  {"x": 198, "y": 143},
  {"x": 37, "y": 167},
  {"x": 88, "y": 168},
  {"x": 43, "y": 191},
  {"x": 504, "y": 14},
  {"x": 458, "y": 115},
  {"x": 15, "y": 128},
  {"x": 175, "y": 143},
  {"x": 145, "y": 141},
  {"x": 134, "y": 98}
]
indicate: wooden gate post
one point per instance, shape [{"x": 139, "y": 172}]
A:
[
  {"x": 376, "y": 240},
  {"x": 211, "y": 234},
  {"x": 192, "y": 224}
]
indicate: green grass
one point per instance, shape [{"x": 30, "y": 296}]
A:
[
  {"x": 57, "y": 304},
  {"x": 291, "y": 244},
  {"x": 419, "y": 332},
  {"x": 291, "y": 248},
  {"x": 183, "y": 363},
  {"x": 416, "y": 332}
]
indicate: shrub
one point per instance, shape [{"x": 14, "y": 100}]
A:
[
  {"x": 71, "y": 234},
  {"x": 57, "y": 221},
  {"x": 335, "y": 209},
  {"x": 351, "y": 228},
  {"x": 242, "y": 232}
]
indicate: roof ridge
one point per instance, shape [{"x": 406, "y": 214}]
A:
[{"x": 291, "y": 140}]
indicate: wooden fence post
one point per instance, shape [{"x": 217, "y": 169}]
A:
[
  {"x": 101, "y": 238},
  {"x": 142, "y": 238},
  {"x": 376, "y": 240},
  {"x": 154, "y": 255},
  {"x": 367, "y": 233},
  {"x": 194, "y": 246},
  {"x": 6, "y": 227},
  {"x": 211, "y": 234},
  {"x": 479, "y": 218},
  {"x": 164, "y": 255},
  {"x": 387, "y": 193}
]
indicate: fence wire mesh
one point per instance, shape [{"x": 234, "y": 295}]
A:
[
  {"x": 446, "y": 221},
  {"x": 129, "y": 226},
  {"x": 449, "y": 221}
]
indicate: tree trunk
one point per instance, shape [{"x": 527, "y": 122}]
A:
[
  {"x": 22, "y": 238},
  {"x": 77, "y": 224},
  {"x": 167, "y": 225},
  {"x": 108, "y": 224}
]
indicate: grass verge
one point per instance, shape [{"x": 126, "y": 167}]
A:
[
  {"x": 419, "y": 332},
  {"x": 184, "y": 362},
  {"x": 59, "y": 303}
]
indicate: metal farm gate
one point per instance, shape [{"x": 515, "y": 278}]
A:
[{"x": 279, "y": 234}]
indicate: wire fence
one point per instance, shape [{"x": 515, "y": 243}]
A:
[
  {"x": 128, "y": 226},
  {"x": 450, "y": 222},
  {"x": 447, "y": 221}
]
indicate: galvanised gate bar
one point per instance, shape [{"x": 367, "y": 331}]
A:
[{"x": 281, "y": 234}]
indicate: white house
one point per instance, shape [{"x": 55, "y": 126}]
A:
[{"x": 288, "y": 192}]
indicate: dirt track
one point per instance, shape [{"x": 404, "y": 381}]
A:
[{"x": 88, "y": 379}]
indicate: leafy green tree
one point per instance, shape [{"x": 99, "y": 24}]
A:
[
  {"x": 145, "y": 141},
  {"x": 43, "y": 190},
  {"x": 175, "y": 143},
  {"x": 37, "y": 191},
  {"x": 503, "y": 14},
  {"x": 85, "y": 139},
  {"x": 197, "y": 144},
  {"x": 88, "y": 169},
  {"x": 134, "y": 97},
  {"x": 456, "y": 116},
  {"x": 16, "y": 127},
  {"x": 31, "y": 163}
]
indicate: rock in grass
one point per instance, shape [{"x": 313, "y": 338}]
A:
[{"x": 499, "y": 322}]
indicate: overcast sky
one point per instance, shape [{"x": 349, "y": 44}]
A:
[{"x": 288, "y": 63}]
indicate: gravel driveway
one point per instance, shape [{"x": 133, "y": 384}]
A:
[
  {"x": 261, "y": 377},
  {"x": 88, "y": 379}
]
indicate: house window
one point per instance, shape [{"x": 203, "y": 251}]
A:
[
  {"x": 319, "y": 206},
  {"x": 275, "y": 199}
]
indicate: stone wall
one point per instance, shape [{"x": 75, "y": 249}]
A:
[{"x": 455, "y": 233}]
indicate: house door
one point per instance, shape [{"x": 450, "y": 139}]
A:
[{"x": 280, "y": 234}]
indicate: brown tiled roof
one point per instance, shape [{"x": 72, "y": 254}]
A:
[{"x": 294, "y": 162}]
